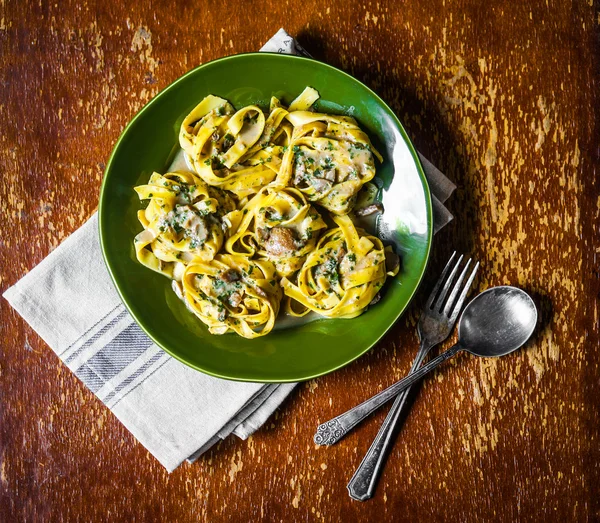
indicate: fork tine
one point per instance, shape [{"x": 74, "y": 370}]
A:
[
  {"x": 463, "y": 295},
  {"x": 455, "y": 290},
  {"x": 444, "y": 292},
  {"x": 439, "y": 282}
]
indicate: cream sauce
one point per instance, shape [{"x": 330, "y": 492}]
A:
[
  {"x": 342, "y": 161},
  {"x": 180, "y": 163}
]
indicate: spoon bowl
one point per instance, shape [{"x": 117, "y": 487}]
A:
[{"x": 497, "y": 322}]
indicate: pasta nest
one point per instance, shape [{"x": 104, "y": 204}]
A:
[
  {"x": 278, "y": 225},
  {"x": 329, "y": 159},
  {"x": 233, "y": 293},
  {"x": 182, "y": 222},
  {"x": 341, "y": 276},
  {"x": 239, "y": 151}
]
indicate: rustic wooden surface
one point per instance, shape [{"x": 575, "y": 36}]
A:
[{"x": 501, "y": 95}]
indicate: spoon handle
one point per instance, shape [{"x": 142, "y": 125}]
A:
[
  {"x": 362, "y": 484},
  {"x": 335, "y": 429}
]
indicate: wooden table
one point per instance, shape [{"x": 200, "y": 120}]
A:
[{"x": 502, "y": 96}]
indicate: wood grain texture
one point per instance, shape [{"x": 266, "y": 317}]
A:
[{"x": 501, "y": 95}]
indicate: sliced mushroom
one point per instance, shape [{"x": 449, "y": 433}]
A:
[
  {"x": 230, "y": 275},
  {"x": 221, "y": 315},
  {"x": 281, "y": 242},
  {"x": 187, "y": 218},
  {"x": 263, "y": 234},
  {"x": 340, "y": 255},
  {"x": 228, "y": 141},
  {"x": 299, "y": 173},
  {"x": 375, "y": 299},
  {"x": 320, "y": 185},
  {"x": 369, "y": 209},
  {"x": 235, "y": 298},
  {"x": 328, "y": 175}
]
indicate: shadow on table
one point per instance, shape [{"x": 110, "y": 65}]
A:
[{"x": 545, "y": 314}]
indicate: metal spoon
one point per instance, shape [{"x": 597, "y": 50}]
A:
[{"x": 495, "y": 323}]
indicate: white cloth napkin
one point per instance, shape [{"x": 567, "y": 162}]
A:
[{"x": 176, "y": 412}]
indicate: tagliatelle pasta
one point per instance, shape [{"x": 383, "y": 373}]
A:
[
  {"x": 278, "y": 225},
  {"x": 267, "y": 211},
  {"x": 341, "y": 276},
  {"x": 182, "y": 222},
  {"x": 232, "y": 292},
  {"x": 329, "y": 160}
]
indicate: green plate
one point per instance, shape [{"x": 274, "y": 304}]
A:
[{"x": 148, "y": 144}]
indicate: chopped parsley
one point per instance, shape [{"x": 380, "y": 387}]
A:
[
  {"x": 328, "y": 164},
  {"x": 228, "y": 141}
]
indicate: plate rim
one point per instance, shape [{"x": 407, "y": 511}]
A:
[{"x": 411, "y": 148}]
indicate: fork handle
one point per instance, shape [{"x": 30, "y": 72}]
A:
[
  {"x": 335, "y": 429},
  {"x": 362, "y": 484}
]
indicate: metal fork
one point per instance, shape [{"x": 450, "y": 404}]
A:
[{"x": 435, "y": 325}]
